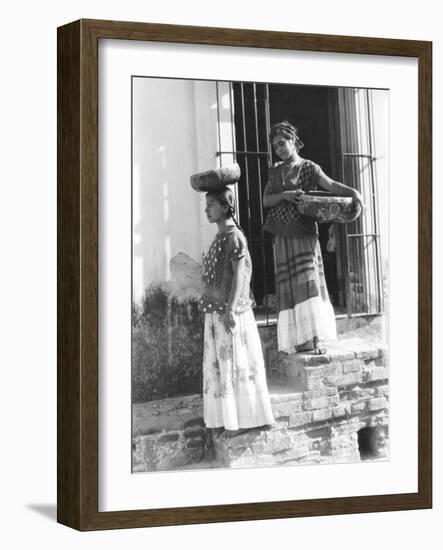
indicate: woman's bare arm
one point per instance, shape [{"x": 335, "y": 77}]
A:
[{"x": 339, "y": 189}]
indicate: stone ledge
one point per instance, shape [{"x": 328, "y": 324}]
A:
[
  {"x": 345, "y": 364},
  {"x": 332, "y": 396},
  {"x": 174, "y": 413},
  {"x": 341, "y": 350}
]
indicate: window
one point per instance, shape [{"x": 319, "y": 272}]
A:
[{"x": 337, "y": 127}]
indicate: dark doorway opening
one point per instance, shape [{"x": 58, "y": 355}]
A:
[
  {"x": 314, "y": 111},
  {"x": 372, "y": 442}
]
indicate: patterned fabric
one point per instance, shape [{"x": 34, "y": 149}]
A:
[
  {"x": 305, "y": 309},
  {"x": 284, "y": 219},
  {"x": 218, "y": 273},
  {"x": 235, "y": 393},
  {"x": 306, "y": 181},
  {"x": 299, "y": 271}
]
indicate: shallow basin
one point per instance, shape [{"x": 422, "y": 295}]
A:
[
  {"x": 213, "y": 180},
  {"x": 327, "y": 209}
]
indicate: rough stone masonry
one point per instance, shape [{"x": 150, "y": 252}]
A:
[{"x": 320, "y": 405}]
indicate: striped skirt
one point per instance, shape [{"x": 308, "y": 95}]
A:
[
  {"x": 305, "y": 310},
  {"x": 235, "y": 392}
]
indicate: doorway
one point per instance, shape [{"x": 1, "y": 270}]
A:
[{"x": 335, "y": 127}]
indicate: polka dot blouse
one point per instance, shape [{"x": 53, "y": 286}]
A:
[{"x": 227, "y": 247}]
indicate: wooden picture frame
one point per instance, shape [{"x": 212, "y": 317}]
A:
[{"x": 77, "y": 456}]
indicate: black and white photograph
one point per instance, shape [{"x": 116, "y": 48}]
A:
[
  {"x": 221, "y": 225},
  {"x": 260, "y": 274}
]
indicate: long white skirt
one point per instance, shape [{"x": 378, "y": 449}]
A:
[
  {"x": 235, "y": 392},
  {"x": 299, "y": 325}
]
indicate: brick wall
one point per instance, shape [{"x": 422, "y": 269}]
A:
[{"x": 319, "y": 408}]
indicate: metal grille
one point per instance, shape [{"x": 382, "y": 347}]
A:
[
  {"x": 362, "y": 237},
  {"x": 358, "y": 256},
  {"x": 252, "y": 152}
]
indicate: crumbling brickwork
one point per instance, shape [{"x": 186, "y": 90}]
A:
[{"x": 320, "y": 405}]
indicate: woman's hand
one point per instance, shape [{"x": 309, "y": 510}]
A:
[
  {"x": 229, "y": 320},
  {"x": 358, "y": 200},
  {"x": 293, "y": 195}
]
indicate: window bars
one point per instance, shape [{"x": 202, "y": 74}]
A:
[{"x": 243, "y": 116}]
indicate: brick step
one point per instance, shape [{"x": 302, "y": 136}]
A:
[
  {"x": 319, "y": 404},
  {"x": 345, "y": 363}
]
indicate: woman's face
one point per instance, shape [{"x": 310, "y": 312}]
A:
[
  {"x": 284, "y": 147},
  {"x": 215, "y": 211}
]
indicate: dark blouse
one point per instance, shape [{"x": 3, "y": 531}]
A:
[{"x": 283, "y": 218}]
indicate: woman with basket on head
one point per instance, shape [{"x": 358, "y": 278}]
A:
[
  {"x": 306, "y": 317},
  {"x": 235, "y": 392}
]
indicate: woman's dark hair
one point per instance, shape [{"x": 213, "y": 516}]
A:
[
  {"x": 225, "y": 196},
  {"x": 288, "y": 131}
]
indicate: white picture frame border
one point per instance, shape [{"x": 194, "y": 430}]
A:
[{"x": 118, "y": 488}]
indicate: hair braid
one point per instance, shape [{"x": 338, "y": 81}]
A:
[{"x": 231, "y": 212}]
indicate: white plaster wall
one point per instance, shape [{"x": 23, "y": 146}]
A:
[
  {"x": 380, "y": 102},
  {"x": 174, "y": 136}
]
